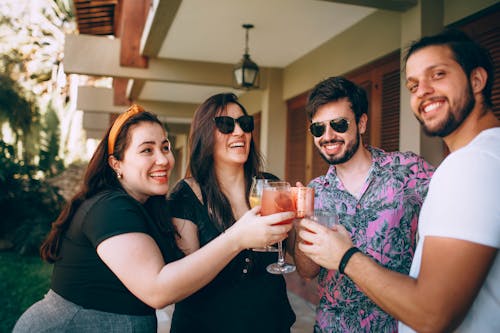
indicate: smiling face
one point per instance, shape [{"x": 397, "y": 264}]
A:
[
  {"x": 147, "y": 161},
  {"x": 334, "y": 147},
  {"x": 232, "y": 148},
  {"x": 441, "y": 94}
]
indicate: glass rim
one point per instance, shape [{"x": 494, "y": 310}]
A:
[{"x": 277, "y": 184}]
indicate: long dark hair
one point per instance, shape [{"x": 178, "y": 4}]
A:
[
  {"x": 201, "y": 158},
  {"x": 99, "y": 176}
]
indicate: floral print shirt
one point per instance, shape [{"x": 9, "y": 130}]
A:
[{"x": 382, "y": 224}]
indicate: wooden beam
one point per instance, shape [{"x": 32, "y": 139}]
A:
[
  {"x": 133, "y": 19},
  {"x": 394, "y": 5},
  {"x": 158, "y": 24},
  {"x": 100, "y": 56}
]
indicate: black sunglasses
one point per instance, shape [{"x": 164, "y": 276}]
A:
[
  {"x": 339, "y": 125},
  {"x": 226, "y": 124}
]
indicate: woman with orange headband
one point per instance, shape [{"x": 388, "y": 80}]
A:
[{"x": 113, "y": 245}]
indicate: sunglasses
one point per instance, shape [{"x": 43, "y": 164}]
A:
[
  {"x": 339, "y": 125},
  {"x": 226, "y": 124}
]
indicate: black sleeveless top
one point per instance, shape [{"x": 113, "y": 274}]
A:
[{"x": 243, "y": 297}]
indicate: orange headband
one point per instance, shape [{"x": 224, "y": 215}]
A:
[{"x": 117, "y": 125}]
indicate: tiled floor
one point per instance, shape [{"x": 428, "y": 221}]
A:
[
  {"x": 305, "y": 314},
  {"x": 303, "y": 310}
]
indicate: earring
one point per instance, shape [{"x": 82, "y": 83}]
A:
[{"x": 119, "y": 175}]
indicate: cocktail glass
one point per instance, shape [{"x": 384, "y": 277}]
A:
[
  {"x": 276, "y": 198},
  {"x": 255, "y": 199}
]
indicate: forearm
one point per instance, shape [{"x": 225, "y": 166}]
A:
[
  {"x": 136, "y": 260},
  {"x": 305, "y": 267},
  {"x": 397, "y": 294},
  {"x": 187, "y": 275}
]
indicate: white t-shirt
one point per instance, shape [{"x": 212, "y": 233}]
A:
[{"x": 463, "y": 202}]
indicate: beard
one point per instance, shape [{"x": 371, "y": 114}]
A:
[
  {"x": 454, "y": 118},
  {"x": 350, "y": 151}
]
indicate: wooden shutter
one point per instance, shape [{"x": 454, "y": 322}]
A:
[
  {"x": 296, "y": 144},
  {"x": 389, "y": 125},
  {"x": 367, "y": 86},
  {"x": 380, "y": 79},
  {"x": 485, "y": 29}
]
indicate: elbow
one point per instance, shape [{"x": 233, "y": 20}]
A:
[
  {"x": 158, "y": 301},
  {"x": 307, "y": 273},
  {"x": 160, "y": 304},
  {"x": 437, "y": 322}
]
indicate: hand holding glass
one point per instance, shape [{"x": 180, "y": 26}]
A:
[
  {"x": 324, "y": 217},
  {"x": 276, "y": 198},
  {"x": 255, "y": 200}
]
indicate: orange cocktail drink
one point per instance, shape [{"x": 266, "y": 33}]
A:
[
  {"x": 277, "y": 198},
  {"x": 303, "y": 199}
]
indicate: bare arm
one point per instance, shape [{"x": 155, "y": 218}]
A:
[
  {"x": 451, "y": 274},
  {"x": 450, "y": 277},
  {"x": 136, "y": 259}
]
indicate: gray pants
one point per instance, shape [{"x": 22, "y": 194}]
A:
[{"x": 56, "y": 314}]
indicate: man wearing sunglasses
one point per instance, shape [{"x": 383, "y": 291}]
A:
[{"x": 377, "y": 196}]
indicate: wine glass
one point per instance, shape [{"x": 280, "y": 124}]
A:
[
  {"x": 325, "y": 217},
  {"x": 276, "y": 198},
  {"x": 255, "y": 200}
]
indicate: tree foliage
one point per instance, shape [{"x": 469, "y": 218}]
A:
[
  {"x": 31, "y": 53},
  {"x": 33, "y": 96}
]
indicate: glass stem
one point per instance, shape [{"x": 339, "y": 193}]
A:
[{"x": 281, "y": 257}]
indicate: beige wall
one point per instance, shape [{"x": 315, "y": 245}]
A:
[
  {"x": 372, "y": 38},
  {"x": 456, "y": 10}
]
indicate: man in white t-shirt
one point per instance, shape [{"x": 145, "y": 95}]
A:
[{"x": 454, "y": 282}]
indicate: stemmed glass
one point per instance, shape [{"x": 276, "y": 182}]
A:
[
  {"x": 276, "y": 198},
  {"x": 255, "y": 200}
]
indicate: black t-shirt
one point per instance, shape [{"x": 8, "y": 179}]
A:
[
  {"x": 243, "y": 298},
  {"x": 81, "y": 276}
]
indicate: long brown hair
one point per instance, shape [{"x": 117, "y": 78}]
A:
[
  {"x": 201, "y": 158},
  {"x": 99, "y": 176}
]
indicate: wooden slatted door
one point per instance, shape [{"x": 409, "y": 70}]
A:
[
  {"x": 389, "y": 122},
  {"x": 381, "y": 81},
  {"x": 485, "y": 29},
  {"x": 297, "y": 143}
]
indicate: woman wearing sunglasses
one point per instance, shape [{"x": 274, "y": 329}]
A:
[{"x": 223, "y": 159}]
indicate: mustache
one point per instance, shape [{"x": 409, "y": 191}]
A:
[{"x": 324, "y": 142}]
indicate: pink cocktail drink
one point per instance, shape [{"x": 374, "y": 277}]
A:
[{"x": 277, "y": 200}]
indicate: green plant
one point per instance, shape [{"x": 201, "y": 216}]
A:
[
  {"x": 28, "y": 205},
  {"x": 24, "y": 281}
]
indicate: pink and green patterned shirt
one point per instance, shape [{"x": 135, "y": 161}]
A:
[{"x": 382, "y": 224}]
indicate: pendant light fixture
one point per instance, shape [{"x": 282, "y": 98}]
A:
[{"x": 246, "y": 72}]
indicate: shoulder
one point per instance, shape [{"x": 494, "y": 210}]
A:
[
  {"x": 398, "y": 160},
  {"x": 479, "y": 160},
  {"x": 112, "y": 202},
  {"x": 187, "y": 188},
  {"x": 395, "y": 157},
  {"x": 111, "y": 197}
]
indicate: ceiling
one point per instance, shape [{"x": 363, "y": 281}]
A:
[{"x": 285, "y": 30}]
